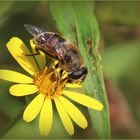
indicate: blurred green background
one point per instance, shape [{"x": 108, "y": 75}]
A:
[{"x": 119, "y": 25}]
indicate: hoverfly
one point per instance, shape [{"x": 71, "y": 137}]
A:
[{"x": 57, "y": 47}]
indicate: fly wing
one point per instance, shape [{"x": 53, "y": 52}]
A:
[
  {"x": 33, "y": 30},
  {"x": 54, "y": 45},
  {"x": 49, "y": 39}
]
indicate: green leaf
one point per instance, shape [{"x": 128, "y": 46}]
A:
[
  {"x": 76, "y": 21},
  {"x": 116, "y": 55}
]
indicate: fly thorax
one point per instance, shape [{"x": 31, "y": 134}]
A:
[
  {"x": 41, "y": 38},
  {"x": 73, "y": 59},
  {"x": 69, "y": 56}
]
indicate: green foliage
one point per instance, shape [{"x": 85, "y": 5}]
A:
[
  {"x": 77, "y": 23},
  {"x": 115, "y": 56},
  {"x": 23, "y": 130},
  {"x": 119, "y": 12},
  {"x": 10, "y": 108},
  {"x": 5, "y": 6},
  {"x": 9, "y": 8}
]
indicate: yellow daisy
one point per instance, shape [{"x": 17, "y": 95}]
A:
[{"x": 43, "y": 83}]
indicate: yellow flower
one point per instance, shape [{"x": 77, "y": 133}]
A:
[{"x": 43, "y": 83}]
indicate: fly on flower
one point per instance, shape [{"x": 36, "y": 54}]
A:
[
  {"x": 42, "y": 83},
  {"x": 57, "y": 47}
]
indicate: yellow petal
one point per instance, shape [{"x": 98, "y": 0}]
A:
[
  {"x": 33, "y": 108},
  {"x": 40, "y": 58},
  {"x": 14, "y": 76},
  {"x": 46, "y": 117},
  {"x": 18, "y": 50},
  {"x": 73, "y": 112},
  {"x": 64, "y": 117},
  {"x": 84, "y": 100},
  {"x": 65, "y": 74},
  {"x": 73, "y": 85},
  {"x": 55, "y": 62},
  {"x": 22, "y": 89}
]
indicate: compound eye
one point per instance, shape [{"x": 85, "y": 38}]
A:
[{"x": 78, "y": 73}]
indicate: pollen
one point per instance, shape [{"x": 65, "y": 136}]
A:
[{"x": 50, "y": 82}]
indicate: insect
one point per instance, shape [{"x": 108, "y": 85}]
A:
[{"x": 57, "y": 47}]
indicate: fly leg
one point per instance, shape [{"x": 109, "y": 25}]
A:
[{"x": 57, "y": 76}]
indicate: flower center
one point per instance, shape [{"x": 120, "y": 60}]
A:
[{"x": 50, "y": 82}]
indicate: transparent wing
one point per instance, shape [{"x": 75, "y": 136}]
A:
[{"x": 33, "y": 30}]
